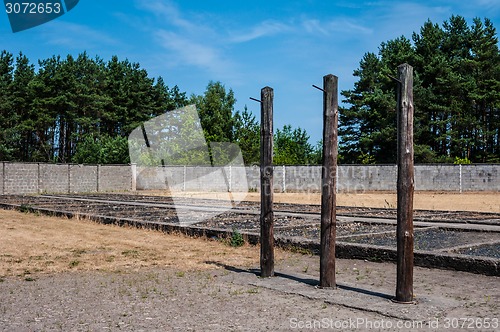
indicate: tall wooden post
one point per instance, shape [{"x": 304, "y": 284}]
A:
[
  {"x": 405, "y": 186},
  {"x": 266, "y": 183},
  {"x": 328, "y": 181}
]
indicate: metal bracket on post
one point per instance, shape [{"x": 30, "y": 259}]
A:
[
  {"x": 394, "y": 79},
  {"x": 255, "y": 100},
  {"x": 317, "y": 87}
]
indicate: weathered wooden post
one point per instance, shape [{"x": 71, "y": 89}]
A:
[
  {"x": 266, "y": 183},
  {"x": 328, "y": 181},
  {"x": 405, "y": 186}
]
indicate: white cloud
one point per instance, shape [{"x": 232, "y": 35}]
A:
[
  {"x": 314, "y": 26},
  {"x": 264, "y": 29},
  {"x": 76, "y": 36},
  {"x": 187, "y": 42},
  {"x": 168, "y": 11},
  {"x": 334, "y": 25},
  {"x": 188, "y": 52},
  {"x": 310, "y": 26},
  {"x": 490, "y": 5},
  {"x": 485, "y": 4}
]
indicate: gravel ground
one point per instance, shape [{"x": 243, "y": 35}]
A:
[
  {"x": 60, "y": 274},
  {"x": 488, "y": 250},
  {"x": 154, "y": 300},
  {"x": 429, "y": 239},
  {"x": 165, "y": 299}
]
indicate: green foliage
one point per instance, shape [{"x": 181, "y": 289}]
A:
[
  {"x": 368, "y": 127},
  {"x": 83, "y": 109},
  {"x": 247, "y": 136},
  {"x": 236, "y": 239},
  {"x": 462, "y": 161},
  {"x": 72, "y": 104},
  {"x": 291, "y": 147},
  {"x": 102, "y": 150},
  {"x": 317, "y": 154},
  {"x": 456, "y": 96},
  {"x": 215, "y": 109}
]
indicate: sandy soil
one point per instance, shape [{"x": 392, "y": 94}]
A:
[
  {"x": 74, "y": 275},
  {"x": 470, "y": 201}
]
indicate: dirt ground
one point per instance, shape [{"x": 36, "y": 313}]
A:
[
  {"x": 423, "y": 200},
  {"x": 60, "y": 274}
]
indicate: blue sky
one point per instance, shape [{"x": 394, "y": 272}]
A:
[{"x": 288, "y": 45}]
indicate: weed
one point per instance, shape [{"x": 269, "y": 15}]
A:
[
  {"x": 74, "y": 263},
  {"x": 301, "y": 250},
  {"x": 305, "y": 269},
  {"x": 237, "y": 239},
  {"x": 236, "y": 292},
  {"x": 25, "y": 208},
  {"x": 253, "y": 291},
  {"x": 389, "y": 205},
  {"x": 29, "y": 278},
  {"x": 180, "y": 274},
  {"x": 130, "y": 253},
  {"x": 78, "y": 252}
]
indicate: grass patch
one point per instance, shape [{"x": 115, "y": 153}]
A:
[
  {"x": 300, "y": 250},
  {"x": 25, "y": 208},
  {"x": 130, "y": 253},
  {"x": 236, "y": 239},
  {"x": 53, "y": 244},
  {"x": 74, "y": 263}
]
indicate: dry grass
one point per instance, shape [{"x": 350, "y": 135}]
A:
[{"x": 31, "y": 244}]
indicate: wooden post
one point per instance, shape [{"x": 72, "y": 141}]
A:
[
  {"x": 328, "y": 182},
  {"x": 266, "y": 183},
  {"x": 405, "y": 186}
]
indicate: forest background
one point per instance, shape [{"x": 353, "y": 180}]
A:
[{"x": 81, "y": 110}]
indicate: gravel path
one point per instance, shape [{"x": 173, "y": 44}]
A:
[{"x": 230, "y": 299}]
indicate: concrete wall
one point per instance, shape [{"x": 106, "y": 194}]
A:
[
  {"x": 351, "y": 178},
  {"x": 54, "y": 178},
  {"x": 21, "y": 178},
  {"x": 33, "y": 178},
  {"x": 481, "y": 177},
  {"x": 83, "y": 178},
  {"x": 115, "y": 177},
  {"x": 182, "y": 178}
]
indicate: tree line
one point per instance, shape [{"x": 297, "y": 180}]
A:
[
  {"x": 83, "y": 109},
  {"x": 456, "y": 96}
]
